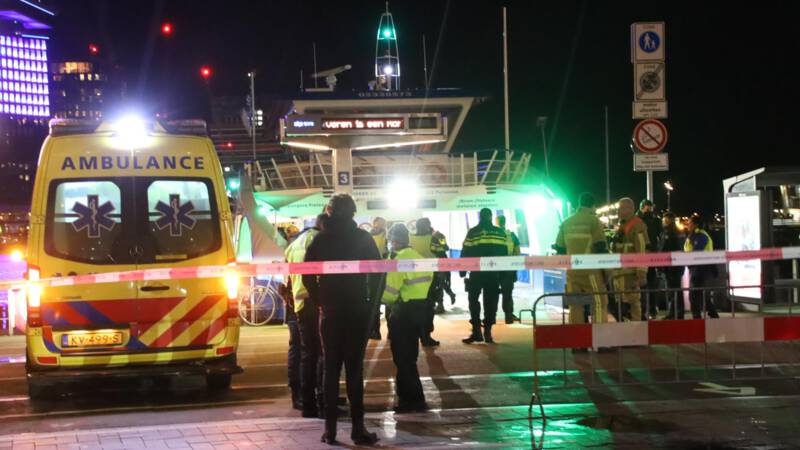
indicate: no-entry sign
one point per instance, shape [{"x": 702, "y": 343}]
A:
[{"x": 650, "y": 136}]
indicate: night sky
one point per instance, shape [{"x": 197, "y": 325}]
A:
[{"x": 732, "y": 95}]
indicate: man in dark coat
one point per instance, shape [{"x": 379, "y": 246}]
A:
[{"x": 346, "y": 312}]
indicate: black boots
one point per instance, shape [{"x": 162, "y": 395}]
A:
[
  {"x": 487, "y": 334},
  {"x": 329, "y": 436},
  {"x": 297, "y": 399},
  {"x": 476, "y": 335},
  {"x": 427, "y": 341},
  {"x": 361, "y": 436}
]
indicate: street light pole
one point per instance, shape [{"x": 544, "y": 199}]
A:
[
  {"x": 253, "y": 112},
  {"x": 541, "y": 122},
  {"x": 668, "y": 186}
]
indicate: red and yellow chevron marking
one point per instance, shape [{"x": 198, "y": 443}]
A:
[{"x": 193, "y": 321}]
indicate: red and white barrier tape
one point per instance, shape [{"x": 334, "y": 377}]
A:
[
  {"x": 490, "y": 264},
  {"x": 668, "y": 332}
]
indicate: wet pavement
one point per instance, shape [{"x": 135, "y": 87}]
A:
[{"x": 644, "y": 397}]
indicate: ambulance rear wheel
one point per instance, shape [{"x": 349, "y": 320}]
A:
[{"x": 218, "y": 381}]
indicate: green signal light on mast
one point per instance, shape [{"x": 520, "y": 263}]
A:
[{"x": 387, "y": 33}]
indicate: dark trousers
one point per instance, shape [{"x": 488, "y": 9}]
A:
[
  {"x": 698, "y": 276},
  {"x": 435, "y": 294},
  {"x": 675, "y": 308},
  {"x": 405, "y": 322},
  {"x": 311, "y": 357},
  {"x": 376, "y": 321},
  {"x": 294, "y": 354},
  {"x": 650, "y": 299},
  {"x": 507, "y": 280},
  {"x": 489, "y": 284},
  {"x": 344, "y": 340}
]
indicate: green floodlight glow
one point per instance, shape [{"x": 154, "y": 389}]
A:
[
  {"x": 557, "y": 204},
  {"x": 538, "y": 205}
]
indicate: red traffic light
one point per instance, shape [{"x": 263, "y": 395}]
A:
[
  {"x": 93, "y": 49},
  {"x": 166, "y": 29},
  {"x": 205, "y": 72},
  {"x": 229, "y": 144}
]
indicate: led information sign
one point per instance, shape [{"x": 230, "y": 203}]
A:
[
  {"x": 23, "y": 77},
  {"x": 372, "y": 123},
  {"x": 367, "y": 124}
]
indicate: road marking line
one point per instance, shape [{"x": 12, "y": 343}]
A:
[{"x": 714, "y": 388}]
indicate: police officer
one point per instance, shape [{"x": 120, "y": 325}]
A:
[
  {"x": 582, "y": 233},
  {"x": 653, "y": 223},
  {"x": 631, "y": 237},
  {"x": 483, "y": 239},
  {"x": 345, "y": 312},
  {"x": 406, "y": 293},
  {"x": 425, "y": 245},
  {"x": 307, "y": 311},
  {"x": 378, "y": 233},
  {"x": 698, "y": 240},
  {"x": 507, "y": 279}
]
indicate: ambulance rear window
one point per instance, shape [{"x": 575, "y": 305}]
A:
[
  {"x": 85, "y": 220},
  {"x": 182, "y": 219}
]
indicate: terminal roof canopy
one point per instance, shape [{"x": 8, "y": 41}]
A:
[{"x": 452, "y": 105}]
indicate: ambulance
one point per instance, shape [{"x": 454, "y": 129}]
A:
[{"x": 123, "y": 196}]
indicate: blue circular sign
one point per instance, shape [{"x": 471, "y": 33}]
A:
[{"x": 649, "y": 42}]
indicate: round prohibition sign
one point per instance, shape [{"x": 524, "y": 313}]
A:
[{"x": 650, "y": 136}]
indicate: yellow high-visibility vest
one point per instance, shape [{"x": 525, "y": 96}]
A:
[
  {"x": 407, "y": 286},
  {"x": 296, "y": 252}
]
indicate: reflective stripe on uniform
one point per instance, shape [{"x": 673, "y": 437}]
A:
[
  {"x": 598, "y": 301},
  {"x": 418, "y": 280},
  {"x": 642, "y": 243},
  {"x": 392, "y": 290}
]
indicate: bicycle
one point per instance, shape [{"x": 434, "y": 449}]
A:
[{"x": 258, "y": 304}]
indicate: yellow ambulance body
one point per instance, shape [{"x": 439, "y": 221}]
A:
[{"x": 120, "y": 197}]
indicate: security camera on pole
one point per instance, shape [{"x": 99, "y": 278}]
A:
[{"x": 649, "y": 102}]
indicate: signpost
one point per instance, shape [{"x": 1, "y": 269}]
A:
[{"x": 649, "y": 99}]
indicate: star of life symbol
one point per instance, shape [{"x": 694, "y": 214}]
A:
[
  {"x": 93, "y": 216},
  {"x": 176, "y": 216}
]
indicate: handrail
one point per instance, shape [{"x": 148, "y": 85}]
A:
[{"x": 316, "y": 169}]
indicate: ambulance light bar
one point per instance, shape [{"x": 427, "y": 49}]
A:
[{"x": 68, "y": 127}]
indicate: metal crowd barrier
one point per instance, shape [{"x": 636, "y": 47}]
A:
[{"x": 771, "y": 324}]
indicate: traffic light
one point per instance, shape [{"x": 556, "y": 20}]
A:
[
  {"x": 205, "y": 72},
  {"x": 166, "y": 29},
  {"x": 233, "y": 184},
  {"x": 387, "y": 32},
  {"x": 94, "y": 49}
]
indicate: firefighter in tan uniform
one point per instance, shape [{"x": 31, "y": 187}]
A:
[
  {"x": 631, "y": 237},
  {"x": 582, "y": 233}
]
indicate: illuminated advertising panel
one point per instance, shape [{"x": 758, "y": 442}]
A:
[
  {"x": 743, "y": 232},
  {"x": 23, "y": 77}
]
